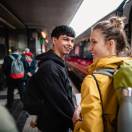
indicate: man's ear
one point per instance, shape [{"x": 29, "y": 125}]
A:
[{"x": 54, "y": 40}]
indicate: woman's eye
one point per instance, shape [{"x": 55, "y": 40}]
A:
[{"x": 93, "y": 42}]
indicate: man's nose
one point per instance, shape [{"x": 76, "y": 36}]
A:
[{"x": 70, "y": 43}]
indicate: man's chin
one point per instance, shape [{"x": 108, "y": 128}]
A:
[{"x": 66, "y": 53}]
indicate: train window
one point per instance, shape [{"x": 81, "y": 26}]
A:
[
  {"x": 77, "y": 50},
  {"x": 86, "y": 53}
]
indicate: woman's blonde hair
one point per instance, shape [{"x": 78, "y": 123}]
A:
[{"x": 113, "y": 28}]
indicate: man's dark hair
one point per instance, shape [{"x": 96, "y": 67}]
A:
[
  {"x": 63, "y": 30},
  {"x": 13, "y": 49}
]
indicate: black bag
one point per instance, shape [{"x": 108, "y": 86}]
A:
[{"x": 33, "y": 100}]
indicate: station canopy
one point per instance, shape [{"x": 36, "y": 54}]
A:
[{"x": 37, "y": 14}]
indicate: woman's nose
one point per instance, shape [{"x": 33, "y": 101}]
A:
[{"x": 90, "y": 48}]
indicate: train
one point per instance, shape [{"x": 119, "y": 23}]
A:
[{"x": 80, "y": 58}]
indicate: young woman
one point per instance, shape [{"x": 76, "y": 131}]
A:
[{"x": 107, "y": 40}]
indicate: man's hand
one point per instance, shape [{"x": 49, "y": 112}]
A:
[
  {"x": 76, "y": 116},
  {"x": 29, "y": 74}
]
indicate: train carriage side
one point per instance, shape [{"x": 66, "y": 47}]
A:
[
  {"x": 79, "y": 59},
  {"x": 127, "y": 12}
]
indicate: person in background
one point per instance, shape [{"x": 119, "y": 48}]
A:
[
  {"x": 14, "y": 80},
  {"x": 55, "y": 114},
  {"x": 107, "y": 40},
  {"x": 30, "y": 65},
  {"x": 27, "y": 52}
]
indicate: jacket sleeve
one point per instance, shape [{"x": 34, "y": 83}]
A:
[
  {"x": 33, "y": 66},
  {"x": 91, "y": 108},
  {"x": 54, "y": 91}
]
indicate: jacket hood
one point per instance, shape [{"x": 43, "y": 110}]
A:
[
  {"x": 50, "y": 55},
  {"x": 107, "y": 62}
]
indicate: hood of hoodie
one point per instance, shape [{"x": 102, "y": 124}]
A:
[
  {"x": 50, "y": 55},
  {"x": 106, "y": 62}
]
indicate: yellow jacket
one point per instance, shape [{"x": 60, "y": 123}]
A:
[{"x": 91, "y": 112}]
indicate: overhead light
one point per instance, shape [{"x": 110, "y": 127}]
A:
[
  {"x": 46, "y": 41},
  {"x": 44, "y": 34}
]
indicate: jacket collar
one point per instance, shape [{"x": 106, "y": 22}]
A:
[{"x": 106, "y": 62}]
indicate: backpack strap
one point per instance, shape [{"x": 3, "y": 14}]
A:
[
  {"x": 19, "y": 57},
  {"x": 99, "y": 93},
  {"x": 12, "y": 57},
  {"x": 106, "y": 71}
]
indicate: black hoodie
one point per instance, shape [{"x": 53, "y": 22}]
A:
[{"x": 53, "y": 83}]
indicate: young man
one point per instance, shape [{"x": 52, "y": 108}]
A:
[{"x": 56, "y": 112}]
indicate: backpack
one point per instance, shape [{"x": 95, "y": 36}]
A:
[
  {"x": 33, "y": 99},
  {"x": 122, "y": 83},
  {"x": 17, "y": 68}
]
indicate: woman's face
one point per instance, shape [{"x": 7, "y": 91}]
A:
[{"x": 98, "y": 46}]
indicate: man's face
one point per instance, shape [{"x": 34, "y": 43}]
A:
[{"x": 63, "y": 45}]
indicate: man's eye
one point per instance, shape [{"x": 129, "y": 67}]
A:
[
  {"x": 68, "y": 39},
  {"x": 65, "y": 39},
  {"x": 72, "y": 41}
]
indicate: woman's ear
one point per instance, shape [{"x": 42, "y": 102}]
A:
[{"x": 112, "y": 46}]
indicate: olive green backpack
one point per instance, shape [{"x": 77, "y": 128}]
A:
[
  {"x": 122, "y": 83},
  {"x": 122, "y": 76}
]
